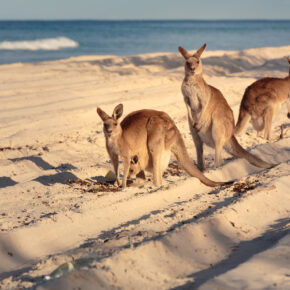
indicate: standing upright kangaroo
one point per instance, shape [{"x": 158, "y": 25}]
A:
[
  {"x": 210, "y": 118},
  {"x": 262, "y": 101},
  {"x": 152, "y": 136}
]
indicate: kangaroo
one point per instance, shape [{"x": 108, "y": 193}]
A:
[
  {"x": 136, "y": 170},
  {"x": 152, "y": 136},
  {"x": 261, "y": 102},
  {"x": 210, "y": 118}
]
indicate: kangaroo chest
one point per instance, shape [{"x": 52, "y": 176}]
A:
[
  {"x": 112, "y": 146},
  {"x": 193, "y": 97}
]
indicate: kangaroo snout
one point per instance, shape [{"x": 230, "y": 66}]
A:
[
  {"x": 107, "y": 128},
  {"x": 190, "y": 67}
]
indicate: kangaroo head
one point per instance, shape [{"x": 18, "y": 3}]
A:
[
  {"x": 193, "y": 63},
  {"x": 112, "y": 125},
  {"x": 134, "y": 167}
]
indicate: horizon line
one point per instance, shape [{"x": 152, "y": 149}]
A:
[{"x": 151, "y": 19}]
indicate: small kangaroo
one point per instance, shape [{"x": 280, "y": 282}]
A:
[
  {"x": 152, "y": 136},
  {"x": 136, "y": 170},
  {"x": 261, "y": 102},
  {"x": 211, "y": 120}
]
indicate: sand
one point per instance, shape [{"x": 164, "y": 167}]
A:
[{"x": 184, "y": 235}]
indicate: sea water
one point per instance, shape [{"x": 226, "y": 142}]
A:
[{"x": 34, "y": 41}]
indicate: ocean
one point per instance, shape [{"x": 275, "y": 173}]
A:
[{"x": 34, "y": 41}]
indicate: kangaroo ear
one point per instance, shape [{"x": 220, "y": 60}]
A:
[
  {"x": 104, "y": 116},
  {"x": 184, "y": 52},
  {"x": 134, "y": 159},
  {"x": 287, "y": 58},
  {"x": 118, "y": 111},
  {"x": 200, "y": 51}
]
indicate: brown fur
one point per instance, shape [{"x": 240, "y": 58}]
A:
[
  {"x": 261, "y": 102},
  {"x": 152, "y": 136},
  {"x": 210, "y": 118}
]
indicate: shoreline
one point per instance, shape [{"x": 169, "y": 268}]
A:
[{"x": 208, "y": 52}]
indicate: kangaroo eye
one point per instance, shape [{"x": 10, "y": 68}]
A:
[
  {"x": 197, "y": 61},
  {"x": 115, "y": 124}
]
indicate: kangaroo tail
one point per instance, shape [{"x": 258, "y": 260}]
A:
[
  {"x": 238, "y": 151},
  {"x": 243, "y": 120},
  {"x": 183, "y": 159}
]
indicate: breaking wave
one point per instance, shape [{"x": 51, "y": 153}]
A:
[{"x": 39, "y": 44}]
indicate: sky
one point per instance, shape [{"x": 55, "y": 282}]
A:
[{"x": 147, "y": 9}]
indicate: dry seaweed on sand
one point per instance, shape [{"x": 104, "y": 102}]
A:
[
  {"x": 173, "y": 170},
  {"x": 94, "y": 186},
  {"x": 241, "y": 187}
]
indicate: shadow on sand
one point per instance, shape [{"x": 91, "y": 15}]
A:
[
  {"x": 243, "y": 251},
  {"x": 61, "y": 176},
  {"x": 6, "y": 181}
]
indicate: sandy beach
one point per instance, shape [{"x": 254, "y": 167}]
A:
[{"x": 184, "y": 235}]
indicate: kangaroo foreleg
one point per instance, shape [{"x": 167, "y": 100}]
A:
[{"x": 115, "y": 160}]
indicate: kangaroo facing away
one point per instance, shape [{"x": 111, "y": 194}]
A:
[
  {"x": 152, "y": 136},
  {"x": 261, "y": 102},
  {"x": 210, "y": 118}
]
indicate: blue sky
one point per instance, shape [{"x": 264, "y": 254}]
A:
[{"x": 147, "y": 9}]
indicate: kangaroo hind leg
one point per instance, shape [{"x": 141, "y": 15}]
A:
[
  {"x": 288, "y": 106},
  {"x": 218, "y": 154},
  {"x": 219, "y": 134},
  {"x": 258, "y": 123},
  {"x": 156, "y": 147},
  {"x": 268, "y": 117}
]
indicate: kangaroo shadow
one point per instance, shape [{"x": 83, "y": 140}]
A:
[
  {"x": 6, "y": 181},
  {"x": 43, "y": 164},
  {"x": 61, "y": 176},
  {"x": 35, "y": 159}
]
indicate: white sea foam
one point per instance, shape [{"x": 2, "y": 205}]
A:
[{"x": 39, "y": 44}]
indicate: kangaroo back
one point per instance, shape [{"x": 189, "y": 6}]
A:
[
  {"x": 238, "y": 151},
  {"x": 180, "y": 152}
]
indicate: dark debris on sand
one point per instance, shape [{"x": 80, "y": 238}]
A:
[{"x": 93, "y": 186}]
